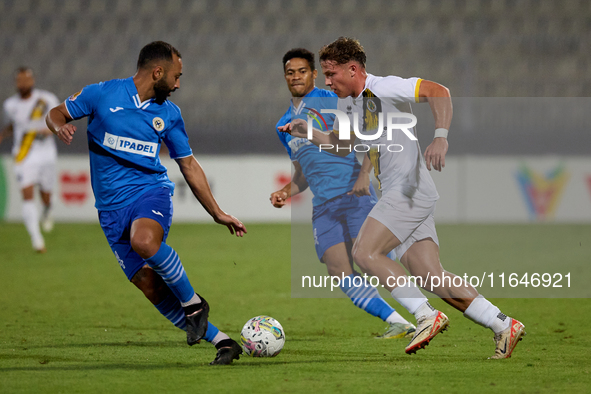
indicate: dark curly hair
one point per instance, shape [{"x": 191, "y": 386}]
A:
[
  {"x": 299, "y": 53},
  {"x": 343, "y": 50}
]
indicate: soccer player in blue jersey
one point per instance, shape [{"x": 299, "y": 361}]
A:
[
  {"x": 127, "y": 119},
  {"x": 343, "y": 194}
]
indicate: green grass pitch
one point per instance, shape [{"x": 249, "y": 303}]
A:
[{"x": 71, "y": 323}]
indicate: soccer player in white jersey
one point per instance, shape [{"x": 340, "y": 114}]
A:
[
  {"x": 403, "y": 219},
  {"x": 343, "y": 194},
  {"x": 34, "y": 150}
]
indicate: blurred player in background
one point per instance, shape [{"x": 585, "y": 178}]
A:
[
  {"x": 127, "y": 120},
  {"x": 343, "y": 194},
  {"x": 34, "y": 150},
  {"x": 404, "y": 217}
]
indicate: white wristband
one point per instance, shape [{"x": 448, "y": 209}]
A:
[{"x": 441, "y": 132}]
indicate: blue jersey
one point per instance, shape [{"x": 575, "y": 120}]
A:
[
  {"x": 328, "y": 175},
  {"x": 124, "y": 137}
]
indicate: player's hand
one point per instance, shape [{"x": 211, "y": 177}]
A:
[
  {"x": 234, "y": 225},
  {"x": 361, "y": 186},
  {"x": 279, "y": 198},
  {"x": 66, "y": 133},
  {"x": 297, "y": 128},
  {"x": 435, "y": 153}
]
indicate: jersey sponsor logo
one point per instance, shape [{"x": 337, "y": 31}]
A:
[
  {"x": 158, "y": 124},
  {"x": 296, "y": 143},
  {"x": 130, "y": 145},
  {"x": 74, "y": 96},
  {"x": 116, "y": 109}
]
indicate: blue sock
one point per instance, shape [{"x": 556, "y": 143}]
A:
[
  {"x": 167, "y": 264},
  {"x": 171, "y": 309},
  {"x": 365, "y": 296}
]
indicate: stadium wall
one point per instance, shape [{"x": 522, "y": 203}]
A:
[{"x": 473, "y": 189}]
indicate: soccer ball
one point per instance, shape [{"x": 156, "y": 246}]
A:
[{"x": 262, "y": 336}]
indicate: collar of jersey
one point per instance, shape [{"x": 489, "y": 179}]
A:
[
  {"x": 135, "y": 95},
  {"x": 369, "y": 78},
  {"x": 310, "y": 94}
]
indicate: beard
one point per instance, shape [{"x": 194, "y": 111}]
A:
[{"x": 162, "y": 90}]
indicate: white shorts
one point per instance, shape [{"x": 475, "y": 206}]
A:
[
  {"x": 409, "y": 220},
  {"x": 36, "y": 173}
]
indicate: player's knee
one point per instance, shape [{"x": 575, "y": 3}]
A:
[
  {"x": 145, "y": 245},
  {"x": 363, "y": 257}
]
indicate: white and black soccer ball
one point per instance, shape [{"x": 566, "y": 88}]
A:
[{"x": 262, "y": 336}]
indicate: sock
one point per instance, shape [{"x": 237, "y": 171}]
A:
[
  {"x": 396, "y": 317},
  {"x": 194, "y": 300},
  {"x": 31, "y": 219},
  {"x": 220, "y": 336},
  {"x": 411, "y": 298},
  {"x": 483, "y": 312},
  {"x": 167, "y": 264},
  {"x": 171, "y": 309},
  {"x": 367, "y": 297}
]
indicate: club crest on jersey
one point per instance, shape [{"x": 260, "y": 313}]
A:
[
  {"x": 158, "y": 123},
  {"x": 371, "y": 105},
  {"x": 75, "y": 96}
]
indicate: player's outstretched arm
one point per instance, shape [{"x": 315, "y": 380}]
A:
[
  {"x": 328, "y": 142},
  {"x": 297, "y": 185},
  {"x": 439, "y": 100},
  {"x": 197, "y": 181},
  {"x": 361, "y": 186},
  {"x": 57, "y": 120}
]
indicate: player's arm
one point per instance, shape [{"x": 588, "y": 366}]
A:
[
  {"x": 6, "y": 132},
  {"x": 361, "y": 186},
  {"x": 297, "y": 185},
  {"x": 327, "y": 142},
  {"x": 197, "y": 181},
  {"x": 57, "y": 120},
  {"x": 439, "y": 100}
]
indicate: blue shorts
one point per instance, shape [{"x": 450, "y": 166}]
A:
[
  {"x": 154, "y": 204},
  {"x": 340, "y": 219}
]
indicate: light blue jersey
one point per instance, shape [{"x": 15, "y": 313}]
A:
[
  {"x": 124, "y": 137},
  {"x": 328, "y": 175}
]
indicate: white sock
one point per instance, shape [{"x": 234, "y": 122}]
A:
[
  {"x": 425, "y": 310},
  {"x": 31, "y": 219},
  {"x": 409, "y": 296},
  {"x": 220, "y": 336},
  {"x": 194, "y": 300},
  {"x": 395, "y": 317},
  {"x": 482, "y": 312}
]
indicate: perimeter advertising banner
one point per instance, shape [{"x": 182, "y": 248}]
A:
[{"x": 493, "y": 189}]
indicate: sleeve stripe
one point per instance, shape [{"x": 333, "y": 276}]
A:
[
  {"x": 67, "y": 109},
  {"x": 417, "y": 86},
  {"x": 182, "y": 157}
]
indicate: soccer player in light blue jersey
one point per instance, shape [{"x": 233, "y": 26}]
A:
[
  {"x": 343, "y": 194},
  {"x": 127, "y": 119}
]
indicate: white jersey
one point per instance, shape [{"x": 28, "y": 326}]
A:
[
  {"x": 398, "y": 162},
  {"x": 27, "y": 117}
]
